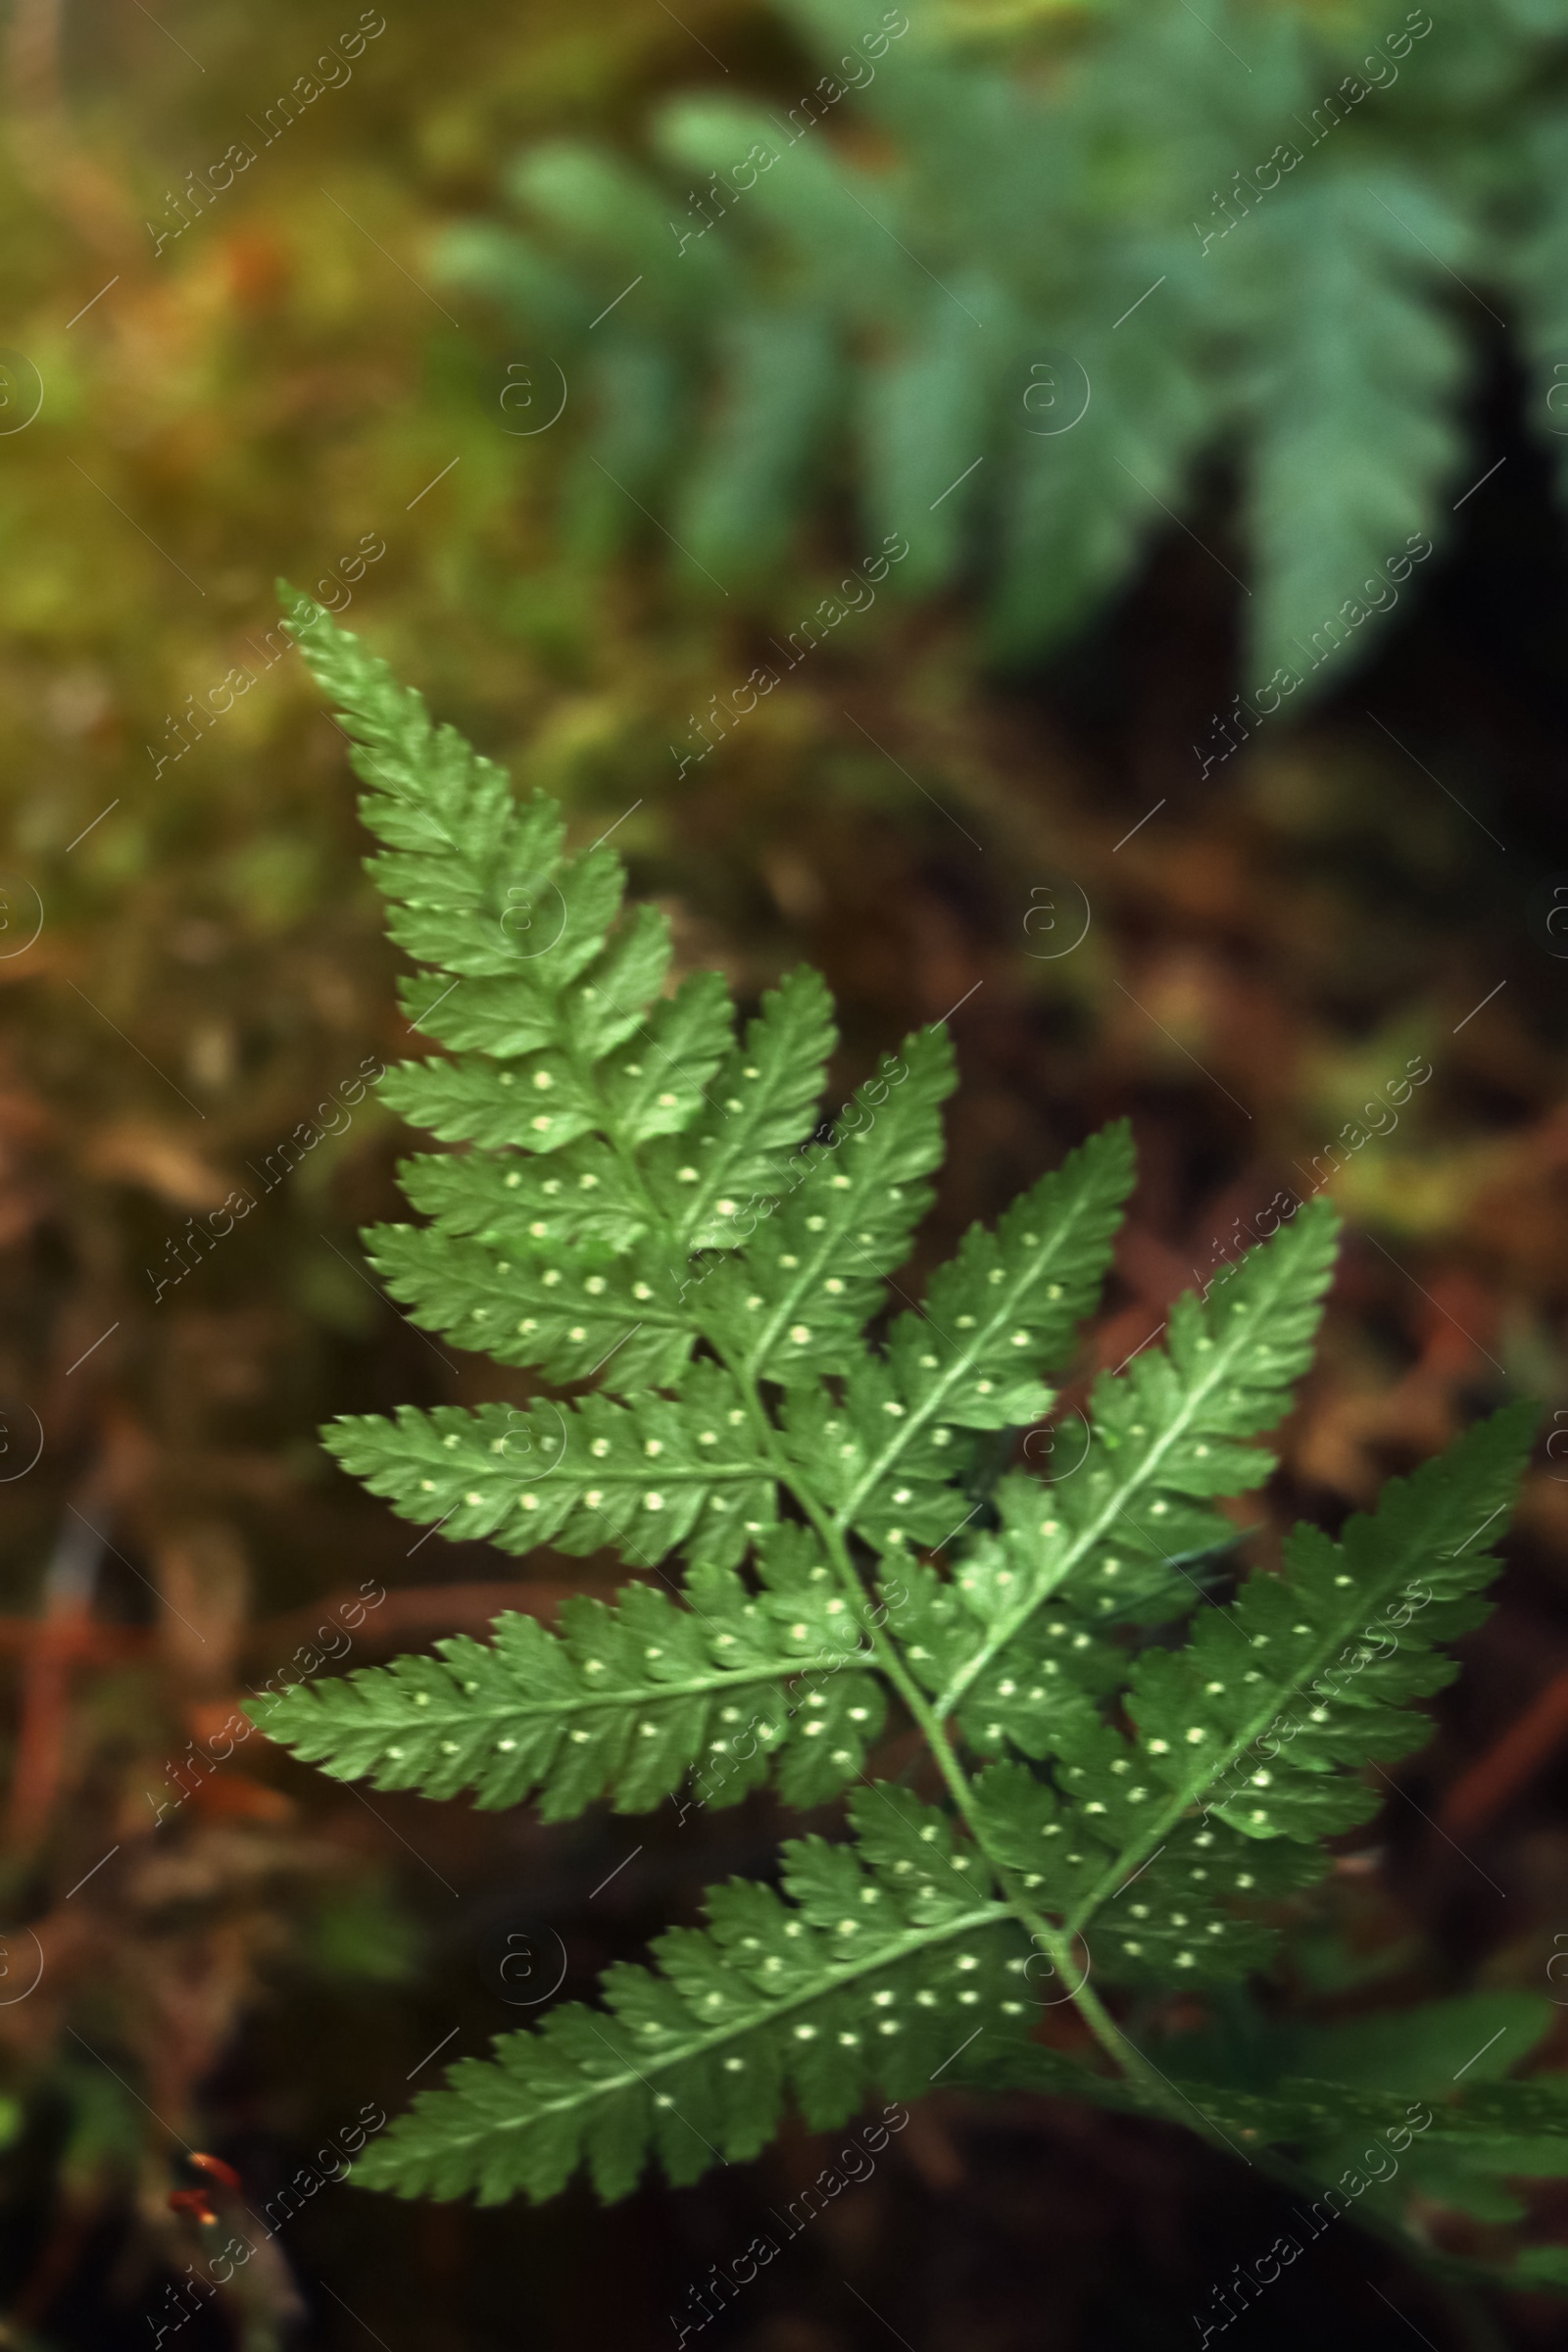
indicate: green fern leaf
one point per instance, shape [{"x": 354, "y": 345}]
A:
[
  {"x": 865, "y": 1979},
  {"x": 1243, "y": 1739},
  {"x": 626, "y": 1701},
  {"x": 796, "y": 1305},
  {"x": 648, "y": 1475},
  {"x": 639, "y": 1201},
  {"x": 1356, "y": 427},
  {"x": 1289, "y": 240},
  {"x": 1163, "y": 1440}
]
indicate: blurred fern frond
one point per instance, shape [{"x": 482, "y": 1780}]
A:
[{"x": 1037, "y": 277}]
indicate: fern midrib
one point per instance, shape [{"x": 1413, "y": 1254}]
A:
[
  {"x": 409, "y": 1283},
  {"x": 992, "y": 1915},
  {"x": 1090, "y": 2007},
  {"x": 797, "y": 1297},
  {"x": 668, "y": 1473},
  {"x": 949, "y": 1378},
  {"x": 418, "y": 795},
  {"x": 665, "y": 1229},
  {"x": 466, "y": 1712},
  {"x": 1095, "y": 1531},
  {"x": 724, "y": 1163},
  {"x": 887, "y": 1656},
  {"x": 1132, "y": 1857}
]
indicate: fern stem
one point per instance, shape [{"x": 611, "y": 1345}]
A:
[{"x": 1057, "y": 1943}]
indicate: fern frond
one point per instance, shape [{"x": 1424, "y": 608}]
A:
[
  {"x": 1294, "y": 231},
  {"x": 1164, "y": 1438},
  {"x": 627, "y": 1700},
  {"x": 1358, "y": 425},
  {"x": 867, "y": 1977},
  {"x": 1244, "y": 1739},
  {"x": 642, "y": 1201},
  {"x": 649, "y": 1474},
  {"x": 795, "y": 1304}
]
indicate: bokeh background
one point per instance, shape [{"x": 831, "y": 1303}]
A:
[{"x": 472, "y": 322}]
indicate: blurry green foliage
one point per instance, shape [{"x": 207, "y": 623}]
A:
[
  {"x": 1016, "y": 299},
  {"x": 362, "y": 1936}
]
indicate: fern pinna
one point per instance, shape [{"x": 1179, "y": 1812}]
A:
[{"x": 1125, "y": 1773}]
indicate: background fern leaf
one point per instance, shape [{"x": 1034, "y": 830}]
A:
[{"x": 1356, "y": 430}]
